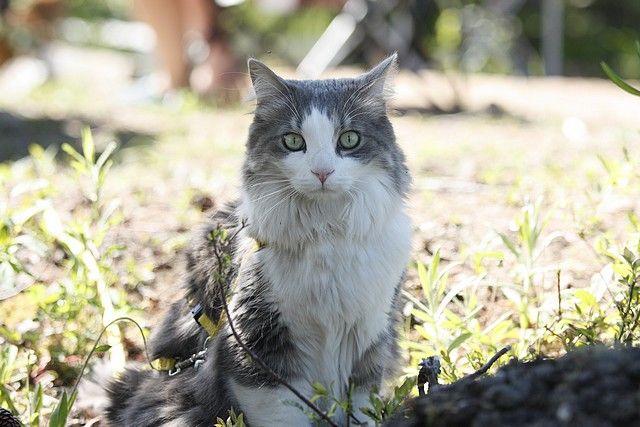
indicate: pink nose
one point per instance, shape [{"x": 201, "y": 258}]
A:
[{"x": 322, "y": 174}]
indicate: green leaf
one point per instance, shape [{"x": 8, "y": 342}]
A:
[
  {"x": 88, "y": 147},
  {"x": 634, "y": 220},
  {"x": 72, "y": 152},
  {"x": 377, "y": 403},
  {"x": 370, "y": 414},
  {"x": 460, "y": 339},
  {"x": 615, "y": 78},
  {"x": 34, "y": 420},
  {"x": 6, "y": 396},
  {"x": 320, "y": 389},
  {"x": 103, "y": 348},
  {"x": 424, "y": 279},
  {"x": 434, "y": 267},
  {"x": 59, "y": 415},
  {"x": 509, "y": 244},
  {"x": 106, "y": 154},
  {"x": 628, "y": 255},
  {"x": 586, "y": 298},
  {"x": 332, "y": 410},
  {"x": 403, "y": 390}
]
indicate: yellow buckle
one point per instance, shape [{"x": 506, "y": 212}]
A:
[{"x": 163, "y": 363}]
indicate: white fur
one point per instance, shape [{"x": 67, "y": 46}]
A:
[
  {"x": 265, "y": 407},
  {"x": 337, "y": 294},
  {"x": 334, "y": 257}
]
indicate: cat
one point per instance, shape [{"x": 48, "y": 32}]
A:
[{"x": 320, "y": 241}]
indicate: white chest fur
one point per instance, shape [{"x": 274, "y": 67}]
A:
[{"x": 336, "y": 294}]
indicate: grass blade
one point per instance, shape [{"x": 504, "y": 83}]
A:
[{"x": 615, "y": 78}]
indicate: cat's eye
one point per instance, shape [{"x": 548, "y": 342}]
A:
[
  {"x": 349, "y": 140},
  {"x": 293, "y": 141}
]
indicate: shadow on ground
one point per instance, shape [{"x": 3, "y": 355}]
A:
[{"x": 18, "y": 132}]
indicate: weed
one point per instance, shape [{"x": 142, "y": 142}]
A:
[
  {"x": 55, "y": 320},
  {"x": 614, "y": 77}
]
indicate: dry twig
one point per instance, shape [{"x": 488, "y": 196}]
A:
[{"x": 483, "y": 370}]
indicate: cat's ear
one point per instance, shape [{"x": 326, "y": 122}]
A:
[
  {"x": 266, "y": 83},
  {"x": 377, "y": 82}
]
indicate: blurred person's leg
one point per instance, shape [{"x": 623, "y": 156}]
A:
[
  {"x": 165, "y": 17},
  {"x": 198, "y": 16},
  {"x": 214, "y": 64}
]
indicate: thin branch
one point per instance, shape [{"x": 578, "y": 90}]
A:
[
  {"x": 97, "y": 341},
  {"x": 483, "y": 370},
  {"x": 255, "y": 358},
  {"x": 558, "y": 276}
]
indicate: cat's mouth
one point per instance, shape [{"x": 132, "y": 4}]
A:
[{"x": 323, "y": 193}]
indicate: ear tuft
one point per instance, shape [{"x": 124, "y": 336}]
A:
[
  {"x": 265, "y": 82},
  {"x": 380, "y": 77}
]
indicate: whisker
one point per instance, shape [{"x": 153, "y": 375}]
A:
[
  {"x": 273, "y": 193},
  {"x": 285, "y": 198}
]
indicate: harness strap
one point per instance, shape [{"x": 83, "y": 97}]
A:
[{"x": 205, "y": 322}]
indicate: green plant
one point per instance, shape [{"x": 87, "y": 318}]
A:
[
  {"x": 233, "y": 420},
  {"x": 61, "y": 314},
  {"x": 615, "y": 78},
  {"x": 84, "y": 241},
  {"x": 527, "y": 246},
  {"x": 384, "y": 407},
  {"x": 628, "y": 301},
  {"x": 447, "y": 322},
  {"x": 321, "y": 395}
]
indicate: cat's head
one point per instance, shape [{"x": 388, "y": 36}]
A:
[{"x": 323, "y": 141}]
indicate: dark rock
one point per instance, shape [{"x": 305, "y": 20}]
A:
[
  {"x": 8, "y": 420},
  {"x": 590, "y": 387}
]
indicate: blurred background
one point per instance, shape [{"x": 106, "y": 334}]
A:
[
  {"x": 122, "y": 122},
  {"x": 133, "y": 53},
  {"x": 118, "y": 53}
]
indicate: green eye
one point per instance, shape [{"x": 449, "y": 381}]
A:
[
  {"x": 293, "y": 141},
  {"x": 349, "y": 139}
]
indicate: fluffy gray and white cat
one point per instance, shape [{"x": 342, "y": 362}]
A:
[{"x": 323, "y": 186}]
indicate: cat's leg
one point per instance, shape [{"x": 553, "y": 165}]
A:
[
  {"x": 359, "y": 400},
  {"x": 177, "y": 335},
  {"x": 272, "y": 406},
  {"x": 368, "y": 373}
]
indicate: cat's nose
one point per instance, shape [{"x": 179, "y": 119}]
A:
[{"x": 322, "y": 174}]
